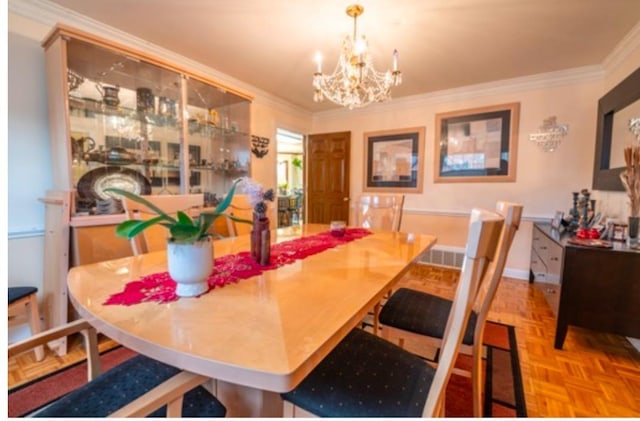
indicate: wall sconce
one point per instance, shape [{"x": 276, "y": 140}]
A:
[
  {"x": 634, "y": 127},
  {"x": 550, "y": 134}
]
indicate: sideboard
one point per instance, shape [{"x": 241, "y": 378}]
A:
[{"x": 599, "y": 287}]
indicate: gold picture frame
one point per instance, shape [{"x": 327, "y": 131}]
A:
[
  {"x": 394, "y": 160},
  {"x": 477, "y": 144}
]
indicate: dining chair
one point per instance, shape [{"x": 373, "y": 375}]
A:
[
  {"x": 138, "y": 387},
  {"x": 409, "y": 313},
  {"x": 155, "y": 238},
  {"x": 241, "y": 208},
  {"x": 23, "y": 303},
  {"x": 365, "y": 375},
  {"x": 378, "y": 211}
]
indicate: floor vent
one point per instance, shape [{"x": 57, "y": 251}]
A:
[{"x": 440, "y": 257}]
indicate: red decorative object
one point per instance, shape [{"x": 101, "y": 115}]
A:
[
  {"x": 586, "y": 233},
  {"x": 159, "y": 287}
]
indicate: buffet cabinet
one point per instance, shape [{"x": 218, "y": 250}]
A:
[
  {"x": 599, "y": 287},
  {"x": 546, "y": 264},
  {"x": 122, "y": 118}
]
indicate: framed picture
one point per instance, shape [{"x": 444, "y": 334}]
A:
[
  {"x": 394, "y": 160},
  {"x": 477, "y": 145},
  {"x": 556, "y": 222}
]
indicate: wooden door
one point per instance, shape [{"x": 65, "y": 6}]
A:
[{"x": 328, "y": 177}]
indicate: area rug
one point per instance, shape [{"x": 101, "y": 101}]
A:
[
  {"x": 504, "y": 395},
  {"x": 33, "y": 395}
]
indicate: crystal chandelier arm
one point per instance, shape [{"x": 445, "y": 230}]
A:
[{"x": 355, "y": 82}]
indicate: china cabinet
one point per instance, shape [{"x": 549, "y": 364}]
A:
[{"x": 123, "y": 118}]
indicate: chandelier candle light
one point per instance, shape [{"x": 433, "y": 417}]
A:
[{"x": 354, "y": 82}]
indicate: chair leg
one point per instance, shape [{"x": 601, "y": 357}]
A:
[
  {"x": 376, "y": 314},
  {"x": 34, "y": 323},
  {"x": 477, "y": 381}
]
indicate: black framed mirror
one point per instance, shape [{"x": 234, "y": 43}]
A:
[{"x": 612, "y": 132}]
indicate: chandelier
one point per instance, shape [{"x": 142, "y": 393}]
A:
[{"x": 354, "y": 82}]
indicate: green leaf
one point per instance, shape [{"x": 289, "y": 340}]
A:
[
  {"x": 222, "y": 206},
  {"x": 185, "y": 233},
  {"x": 206, "y": 220},
  {"x": 236, "y": 219},
  {"x": 142, "y": 201},
  {"x": 131, "y": 228},
  {"x": 184, "y": 219}
]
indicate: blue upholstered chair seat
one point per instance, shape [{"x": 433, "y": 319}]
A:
[
  {"x": 421, "y": 313},
  {"x": 124, "y": 383},
  {"x": 15, "y": 293},
  {"x": 365, "y": 376}
]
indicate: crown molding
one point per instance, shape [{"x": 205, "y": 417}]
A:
[
  {"x": 629, "y": 43},
  {"x": 50, "y": 14},
  {"x": 501, "y": 87}
]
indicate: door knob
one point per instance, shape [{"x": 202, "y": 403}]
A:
[{"x": 346, "y": 199}]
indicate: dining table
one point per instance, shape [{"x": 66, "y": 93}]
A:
[{"x": 255, "y": 337}]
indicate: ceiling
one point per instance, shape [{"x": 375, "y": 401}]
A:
[{"x": 443, "y": 44}]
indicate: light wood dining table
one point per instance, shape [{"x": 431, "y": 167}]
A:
[{"x": 262, "y": 335}]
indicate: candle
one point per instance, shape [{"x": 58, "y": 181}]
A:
[
  {"x": 395, "y": 60},
  {"x": 318, "y": 60}
]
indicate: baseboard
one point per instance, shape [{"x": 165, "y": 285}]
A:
[
  {"x": 516, "y": 274},
  {"x": 453, "y": 257}
]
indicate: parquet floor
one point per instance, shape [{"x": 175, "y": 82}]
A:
[{"x": 595, "y": 375}]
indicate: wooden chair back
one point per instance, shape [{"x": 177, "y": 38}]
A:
[
  {"x": 169, "y": 392},
  {"x": 485, "y": 228},
  {"x": 241, "y": 208},
  {"x": 155, "y": 238},
  {"x": 512, "y": 213},
  {"x": 378, "y": 211}
]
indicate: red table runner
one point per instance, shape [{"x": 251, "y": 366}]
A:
[{"x": 161, "y": 288}]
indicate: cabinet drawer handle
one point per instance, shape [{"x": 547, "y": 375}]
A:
[
  {"x": 555, "y": 259},
  {"x": 543, "y": 247}
]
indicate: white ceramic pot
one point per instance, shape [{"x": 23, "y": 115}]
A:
[{"x": 190, "y": 265}]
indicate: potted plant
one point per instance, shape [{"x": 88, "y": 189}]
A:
[{"x": 189, "y": 246}]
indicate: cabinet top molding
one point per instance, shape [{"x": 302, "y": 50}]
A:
[{"x": 62, "y": 31}]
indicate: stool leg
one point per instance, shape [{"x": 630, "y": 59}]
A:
[{"x": 34, "y": 323}]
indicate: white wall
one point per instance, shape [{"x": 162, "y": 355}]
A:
[
  {"x": 544, "y": 180},
  {"x": 29, "y": 166}
]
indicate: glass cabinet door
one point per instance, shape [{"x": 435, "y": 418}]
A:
[
  {"x": 218, "y": 139},
  {"x": 125, "y": 124}
]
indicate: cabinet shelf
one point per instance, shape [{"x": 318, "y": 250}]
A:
[{"x": 128, "y": 113}]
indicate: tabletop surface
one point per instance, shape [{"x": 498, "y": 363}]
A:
[{"x": 266, "y": 332}]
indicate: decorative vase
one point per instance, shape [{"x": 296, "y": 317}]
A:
[
  {"x": 261, "y": 240},
  {"x": 634, "y": 226},
  {"x": 190, "y": 265}
]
